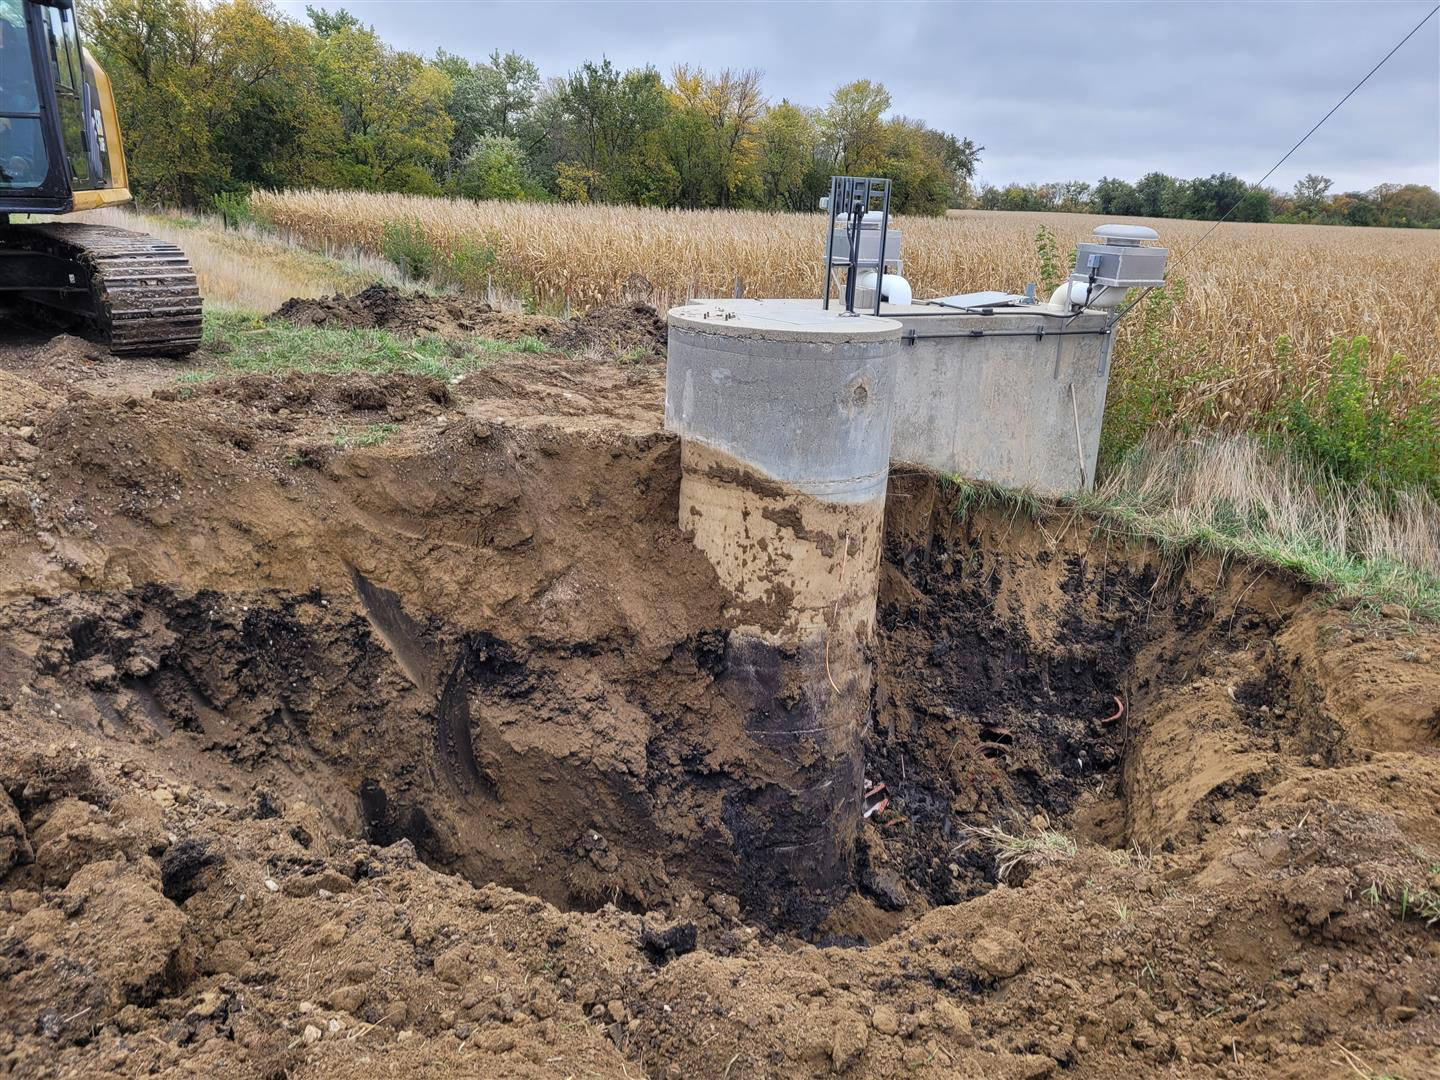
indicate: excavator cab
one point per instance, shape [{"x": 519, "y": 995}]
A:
[
  {"x": 54, "y": 153},
  {"x": 60, "y": 151},
  {"x": 24, "y": 159},
  {"x": 33, "y": 170}
]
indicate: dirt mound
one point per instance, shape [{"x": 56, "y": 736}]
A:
[
  {"x": 385, "y": 307},
  {"x": 636, "y": 330},
  {"x": 67, "y": 349},
  {"x": 284, "y": 719},
  {"x": 395, "y": 396}
]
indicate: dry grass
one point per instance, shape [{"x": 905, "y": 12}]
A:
[
  {"x": 1032, "y": 849},
  {"x": 249, "y": 269},
  {"x": 1240, "y": 487},
  {"x": 1234, "y": 494},
  {"x": 1248, "y": 287}
]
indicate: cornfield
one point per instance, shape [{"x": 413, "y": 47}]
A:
[{"x": 1261, "y": 304}]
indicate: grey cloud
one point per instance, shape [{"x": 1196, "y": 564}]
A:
[{"x": 1053, "y": 90}]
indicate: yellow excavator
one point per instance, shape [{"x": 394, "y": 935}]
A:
[{"x": 60, "y": 152}]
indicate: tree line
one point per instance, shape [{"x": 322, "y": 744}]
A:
[
  {"x": 221, "y": 97},
  {"x": 1210, "y": 198}
]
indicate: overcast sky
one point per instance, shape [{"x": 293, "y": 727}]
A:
[{"x": 1054, "y": 91}]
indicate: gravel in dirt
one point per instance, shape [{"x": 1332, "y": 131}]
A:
[{"x": 321, "y": 760}]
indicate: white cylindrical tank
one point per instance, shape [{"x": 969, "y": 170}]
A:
[{"x": 784, "y": 415}]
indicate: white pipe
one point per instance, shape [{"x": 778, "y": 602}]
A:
[
  {"x": 1071, "y": 295},
  {"x": 894, "y": 289}
]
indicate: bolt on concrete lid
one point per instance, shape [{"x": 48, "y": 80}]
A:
[{"x": 789, "y": 320}]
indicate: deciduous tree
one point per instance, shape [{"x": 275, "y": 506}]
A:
[
  {"x": 395, "y": 128},
  {"x": 851, "y": 126},
  {"x": 495, "y": 168},
  {"x": 212, "y": 96},
  {"x": 787, "y": 139}
]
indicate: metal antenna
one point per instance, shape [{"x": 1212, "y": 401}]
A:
[{"x": 858, "y": 199}]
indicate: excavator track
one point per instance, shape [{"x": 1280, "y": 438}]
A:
[{"x": 144, "y": 298}]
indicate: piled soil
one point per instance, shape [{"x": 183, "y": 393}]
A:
[
  {"x": 634, "y": 329},
  {"x": 321, "y": 759}
]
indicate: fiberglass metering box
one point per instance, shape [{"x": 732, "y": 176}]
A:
[{"x": 1119, "y": 259}]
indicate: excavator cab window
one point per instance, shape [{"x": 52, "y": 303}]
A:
[
  {"x": 68, "y": 69},
  {"x": 23, "y": 160}
]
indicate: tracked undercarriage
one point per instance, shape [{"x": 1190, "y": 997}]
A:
[{"x": 135, "y": 294}]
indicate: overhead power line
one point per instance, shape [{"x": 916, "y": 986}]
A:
[{"x": 1190, "y": 250}]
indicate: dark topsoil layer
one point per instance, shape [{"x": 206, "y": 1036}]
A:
[{"x": 260, "y": 692}]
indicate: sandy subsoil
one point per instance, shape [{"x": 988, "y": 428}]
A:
[{"x": 323, "y": 760}]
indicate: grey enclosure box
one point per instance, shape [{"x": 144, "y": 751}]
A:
[
  {"x": 1020, "y": 406},
  {"x": 1121, "y": 266},
  {"x": 869, "y": 246}
]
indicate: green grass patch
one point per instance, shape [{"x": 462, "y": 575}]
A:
[
  {"x": 968, "y": 496},
  {"x": 467, "y": 266},
  {"x": 182, "y": 220},
  {"x": 243, "y": 342},
  {"x": 636, "y": 357},
  {"x": 233, "y": 208},
  {"x": 1377, "y": 431},
  {"x": 1290, "y": 525},
  {"x": 405, "y": 244},
  {"x": 1368, "y": 583},
  {"x": 369, "y": 435},
  {"x": 1159, "y": 372}
]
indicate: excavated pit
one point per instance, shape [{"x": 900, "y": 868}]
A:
[
  {"x": 465, "y": 646},
  {"x": 257, "y": 672}
]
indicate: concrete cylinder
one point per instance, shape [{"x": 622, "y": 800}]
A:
[{"x": 784, "y": 416}]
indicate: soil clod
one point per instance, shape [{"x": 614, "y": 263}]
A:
[
  {"x": 666, "y": 943},
  {"x": 182, "y": 867}
]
